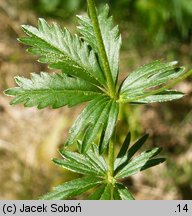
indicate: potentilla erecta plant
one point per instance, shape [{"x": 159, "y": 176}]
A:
[{"x": 89, "y": 64}]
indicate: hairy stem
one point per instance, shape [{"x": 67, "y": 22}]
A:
[{"x": 101, "y": 47}]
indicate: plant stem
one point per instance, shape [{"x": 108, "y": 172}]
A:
[
  {"x": 101, "y": 47},
  {"x": 111, "y": 158},
  {"x": 110, "y": 83}
]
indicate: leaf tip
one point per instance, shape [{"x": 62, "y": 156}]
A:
[{"x": 7, "y": 92}]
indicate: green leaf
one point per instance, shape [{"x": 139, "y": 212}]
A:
[
  {"x": 74, "y": 167},
  {"x": 125, "y": 146},
  {"x": 62, "y": 50},
  {"x": 153, "y": 162},
  {"x": 139, "y": 86},
  {"x": 72, "y": 188},
  {"x": 164, "y": 96},
  {"x": 79, "y": 163},
  {"x": 110, "y": 35},
  {"x": 137, "y": 164},
  {"x": 87, "y": 116},
  {"x": 136, "y": 146},
  {"x": 110, "y": 126},
  {"x": 122, "y": 193},
  {"x": 92, "y": 121},
  {"x": 98, "y": 193},
  {"x": 120, "y": 162},
  {"x": 52, "y": 90},
  {"x": 150, "y": 71},
  {"x": 106, "y": 195},
  {"x": 95, "y": 158},
  {"x": 93, "y": 129},
  {"x": 116, "y": 195},
  {"x": 103, "y": 192}
]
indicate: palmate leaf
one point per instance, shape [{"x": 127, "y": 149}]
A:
[
  {"x": 61, "y": 50},
  {"x": 72, "y": 188},
  {"x": 52, "y": 90},
  {"x": 123, "y": 158},
  {"x": 110, "y": 35},
  {"x": 92, "y": 120},
  {"x": 126, "y": 166},
  {"x": 90, "y": 164},
  {"x": 94, "y": 166},
  {"x": 139, "y": 163},
  {"x": 139, "y": 86}
]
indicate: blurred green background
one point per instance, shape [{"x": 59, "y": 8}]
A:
[{"x": 151, "y": 29}]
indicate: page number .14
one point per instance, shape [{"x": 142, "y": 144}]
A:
[{"x": 181, "y": 208}]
